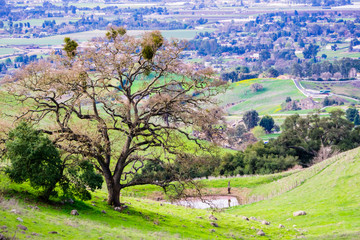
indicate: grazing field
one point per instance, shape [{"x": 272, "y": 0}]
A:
[
  {"x": 266, "y": 101},
  {"x": 327, "y": 192},
  {"x": 329, "y": 197},
  {"x": 348, "y": 88}
]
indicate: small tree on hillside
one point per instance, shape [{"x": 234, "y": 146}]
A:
[
  {"x": 258, "y": 131},
  {"x": 326, "y": 102},
  {"x": 357, "y": 120},
  {"x": 337, "y": 75},
  {"x": 352, "y": 73},
  {"x": 267, "y": 122},
  {"x": 33, "y": 157},
  {"x": 255, "y": 87},
  {"x": 310, "y": 51},
  {"x": 251, "y": 119},
  {"x": 326, "y": 75},
  {"x": 351, "y": 113},
  {"x": 272, "y": 72},
  {"x": 264, "y": 55}
]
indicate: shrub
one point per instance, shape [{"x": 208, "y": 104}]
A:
[
  {"x": 255, "y": 87},
  {"x": 33, "y": 158}
]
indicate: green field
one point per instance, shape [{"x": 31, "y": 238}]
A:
[
  {"x": 85, "y": 36},
  {"x": 6, "y": 51},
  {"x": 351, "y": 89},
  {"x": 328, "y": 192},
  {"x": 266, "y": 101},
  {"x": 40, "y": 21},
  {"x": 330, "y": 198}
]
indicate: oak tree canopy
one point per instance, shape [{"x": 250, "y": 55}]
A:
[{"x": 126, "y": 104}]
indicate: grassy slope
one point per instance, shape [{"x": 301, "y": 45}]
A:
[
  {"x": 330, "y": 198},
  {"x": 266, "y": 101},
  {"x": 328, "y": 192},
  {"x": 145, "y": 219}
]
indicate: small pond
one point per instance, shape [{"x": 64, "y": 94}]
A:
[{"x": 209, "y": 201}]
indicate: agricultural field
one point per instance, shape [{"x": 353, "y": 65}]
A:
[
  {"x": 86, "y": 36},
  {"x": 40, "y": 21},
  {"x": 7, "y": 51},
  {"x": 347, "y": 88}
]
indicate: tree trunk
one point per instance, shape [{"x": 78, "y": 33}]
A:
[{"x": 113, "y": 193}]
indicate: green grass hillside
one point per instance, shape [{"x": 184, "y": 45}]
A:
[
  {"x": 331, "y": 199},
  {"x": 328, "y": 192},
  {"x": 266, "y": 101}
]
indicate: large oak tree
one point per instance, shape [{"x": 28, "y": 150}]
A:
[{"x": 126, "y": 104}]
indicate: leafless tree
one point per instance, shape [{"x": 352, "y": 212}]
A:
[
  {"x": 337, "y": 75},
  {"x": 326, "y": 75},
  {"x": 125, "y": 103}
]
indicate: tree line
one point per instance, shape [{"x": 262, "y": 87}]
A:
[{"x": 303, "y": 141}]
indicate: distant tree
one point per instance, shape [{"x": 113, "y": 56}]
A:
[
  {"x": 337, "y": 75},
  {"x": 272, "y": 72},
  {"x": 311, "y": 51},
  {"x": 251, "y": 119},
  {"x": 351, "y": 113},
  {"x": 258, "y": 131},
  {"x": 267, "y": 122},
  {"x": 334, "y": 47},
  {"x": 301, "y": 43},
  {"x": 315, "y": 76},
  {"x": 288, "y": 99},
  {"x": 351, "y": 46},
  {"x": 264, "y": 55},
  {"x": 357, "y": 120},
  {"x": 73, "y": 9},
  {"x": 276, "y": 128},
  {"x": 294, "y": 106},
  {"x": 70, "y": 47},
  {"x": 297, "y": 70},
  {"x": 326, "y": 75},
  {"x": 326, "y": 102},
  {"x": 352, "y": 73},
  {"x": 255, "y": 87},
  {"x": 243, "y": 69},
  {"x": 236, "y": 133},
  {"x": 323, "y": 56}
]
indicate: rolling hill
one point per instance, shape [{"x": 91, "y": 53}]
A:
[{"x": 328, "y": 192}]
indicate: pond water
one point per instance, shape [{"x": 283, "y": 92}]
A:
[{"x": 209, "y": 201}]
